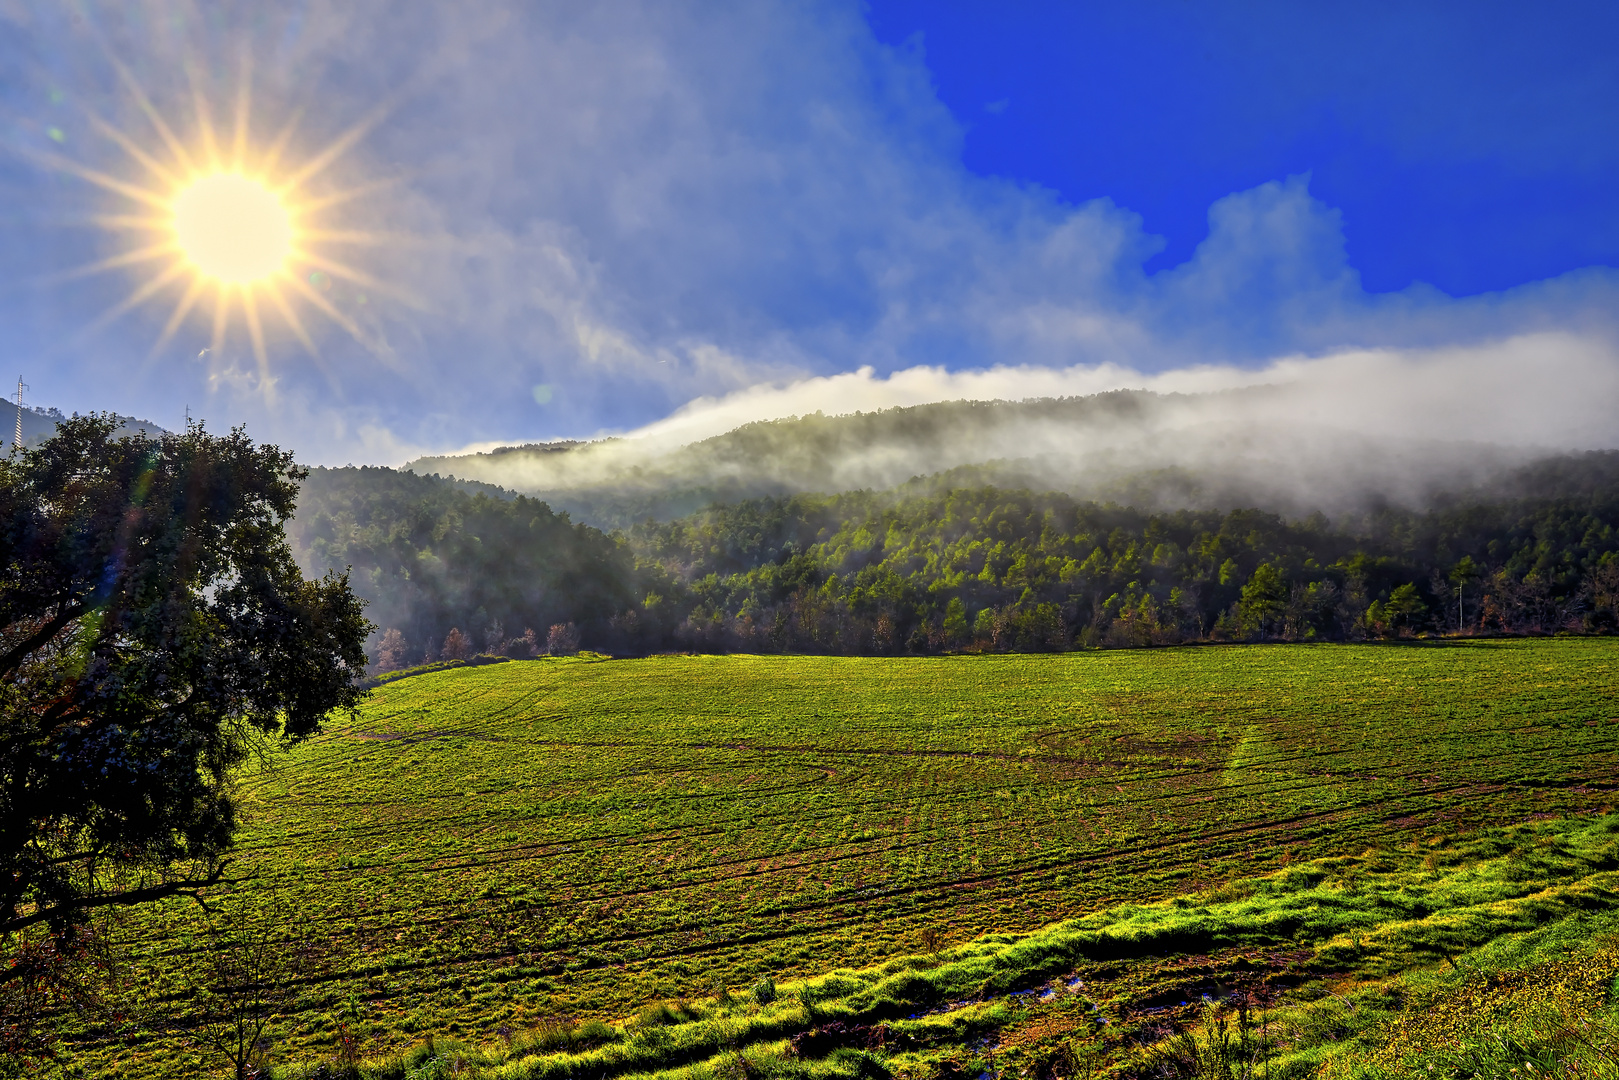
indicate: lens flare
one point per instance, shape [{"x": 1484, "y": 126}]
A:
[{"x": 232, "y": 228}]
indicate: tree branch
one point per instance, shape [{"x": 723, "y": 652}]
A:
[
  {"x": 184, "y": 887},
  {"x": 14, "y": 657}
]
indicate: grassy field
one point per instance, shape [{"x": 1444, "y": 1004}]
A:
[{"x": 492, "y": 849}]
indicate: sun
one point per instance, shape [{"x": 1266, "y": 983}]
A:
[
  {"x": 223, "y": 220},
  {"x": 233, "y": 228}
]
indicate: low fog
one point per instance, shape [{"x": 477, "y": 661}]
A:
[{"x": 1338, "y": 434}]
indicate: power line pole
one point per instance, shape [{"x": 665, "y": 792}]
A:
[{"x": 16, "y": 440}]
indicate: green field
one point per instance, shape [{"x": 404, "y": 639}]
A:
[{"x": 500, "y": 846}]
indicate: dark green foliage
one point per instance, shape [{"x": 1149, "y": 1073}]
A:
[
  {"x": 910, "y": 571},
  {"x": 925, "y": 569},
  {"x": 154, "y": 623},
  {"x": 1264, "y": 599},
  {"x": 429, "y": 557}
]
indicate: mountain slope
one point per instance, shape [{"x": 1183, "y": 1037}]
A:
[{"x": 39, "y": 426}]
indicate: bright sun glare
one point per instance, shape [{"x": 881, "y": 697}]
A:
[
  {"x": 232, "y": 228},
  {"x": 222, "y": 217}
]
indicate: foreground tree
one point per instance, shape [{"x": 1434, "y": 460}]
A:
[{"x": 153, "y": 628}]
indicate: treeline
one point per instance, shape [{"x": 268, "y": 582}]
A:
[
  {"x": 916, "y": 570},
  {"x": 1018, "y": 570}
]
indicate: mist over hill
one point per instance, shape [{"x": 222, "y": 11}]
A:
[
  {"x": 1341, "y": 498},
  {"x": 1261, "y": 446}
]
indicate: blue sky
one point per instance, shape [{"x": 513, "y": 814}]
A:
[
  {"x": 1470, "y": 146},
  {"x": 587, "y": 217}
]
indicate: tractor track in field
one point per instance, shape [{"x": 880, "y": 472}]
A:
[{"x": 648, "y": 829}]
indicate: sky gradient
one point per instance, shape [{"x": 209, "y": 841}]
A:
[{"x": 584, "y": 218}]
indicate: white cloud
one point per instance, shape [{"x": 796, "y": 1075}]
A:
[
  {"x": 1552, "y": 390},
  {"x": 645, "y": 204}
]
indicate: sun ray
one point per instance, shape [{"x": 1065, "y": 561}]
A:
[
  {"x": 244, "y": 97},
  {"x": 100, "y": 179},
  {"x": 155, "y": 118},
  {"x": 114, "y": 262},
  {"x": 205, "y": 119},
  {"x": 182, "y": 308},
  {"x": 129, "y": 222},
  {"x": 359, "y": 238},
  {"x": 359, "y": 277},
  {"x": 139, "y": 296},
  {"x": 221, "y": 317},
  {"x": 130, "y": 147},
  {"x": 255, "y": 332},
  {"x": 338, "y": 146},
  {"x": 293, "y": 321},
  {"x": 334, "y": 314},
  {"x": 272, "y": 156},
  {"x": 296, "y": 324},
  {"x": 325, "y": 202}
]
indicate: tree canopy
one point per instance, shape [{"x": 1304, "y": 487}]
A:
[{"x": 153, "y": 626}]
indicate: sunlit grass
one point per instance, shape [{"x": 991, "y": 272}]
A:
[{"x": 494, "y": 848}]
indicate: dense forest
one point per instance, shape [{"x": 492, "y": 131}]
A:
[
  {"x": 920, "y": 569},
  {"x": 431, "y": 556}
]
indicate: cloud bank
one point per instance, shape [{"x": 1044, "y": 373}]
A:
[
  {"x": 1339, "y": 434},
  {"x": 651, "y": 216},
  {"x": 1551, "y": 390}
]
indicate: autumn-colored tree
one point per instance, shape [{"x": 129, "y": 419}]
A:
[
  {"x": 562, "y": 639},
  {"x": 391, "y": 651},
  {"x": 456, "y": 646}
]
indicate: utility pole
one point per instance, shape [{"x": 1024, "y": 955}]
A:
[{"x": 16, "y": 440}]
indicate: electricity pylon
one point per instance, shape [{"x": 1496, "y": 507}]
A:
[{"x": 16, "y": 439}]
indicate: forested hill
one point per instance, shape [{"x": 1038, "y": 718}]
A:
[
  {"x": 926, "y": 567},
  {"x": 814, "y": 452},
  {"x": 1270, "y": 446},
  {"x": 39, "y": 424},
  {"x": 428, "y": 555},
  {"x": 1028, "y": 570}
]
